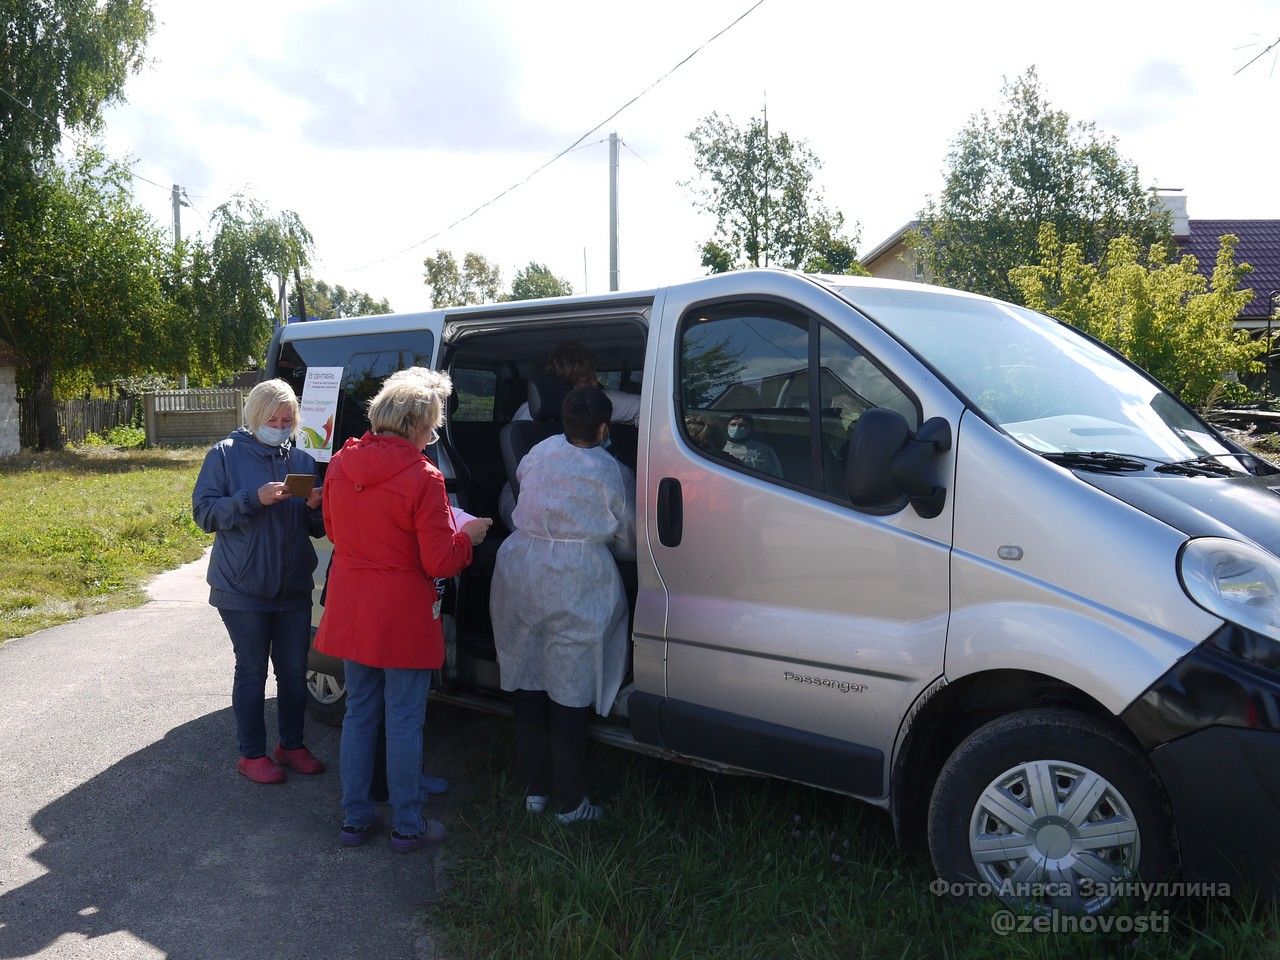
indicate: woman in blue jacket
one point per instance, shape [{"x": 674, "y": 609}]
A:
[{"x": 260, "y": 573}]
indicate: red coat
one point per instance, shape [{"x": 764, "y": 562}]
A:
[{"x": 386, "y": 511}]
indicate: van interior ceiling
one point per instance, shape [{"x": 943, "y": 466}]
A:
[{"x": 491, "y": 370}]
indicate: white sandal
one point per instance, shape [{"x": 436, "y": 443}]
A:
[{"x": 585, "y": 811}]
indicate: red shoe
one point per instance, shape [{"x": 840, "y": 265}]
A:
[
  {"x": 300, "y": 760},
  {"x": 260, "y": 770}
]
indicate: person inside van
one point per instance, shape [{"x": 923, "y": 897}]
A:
[
  {"x": 260, "y": 573},
  {"x": 393, "y": 534},
  {"x": 558, "y": 604},
  {"x": 755, "y": 454},
  {"x": 576, "y": 365},
  {"x": 706, "y": 433}
]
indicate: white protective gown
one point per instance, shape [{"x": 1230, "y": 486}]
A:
[{"x": 558, "y": 606}]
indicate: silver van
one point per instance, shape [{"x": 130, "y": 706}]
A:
[{"x": 979, "y": 571}]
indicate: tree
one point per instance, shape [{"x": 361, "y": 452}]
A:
[
  {"x": 1026, "y": 165},
  {"x": 62, "y": 61},
  {"x": 236, "y": 280},
  {"x": 1163, "y": 315},
  {"x": 759, "y": 186},
  {"x": 536, "y": 281},
  {"x": 476, "y": 282},
  {"x": 84, "y": 285},
  {"x": 327, "y": 302}
]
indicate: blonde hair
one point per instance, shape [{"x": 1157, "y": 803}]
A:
[
  {"x": 265, "y": 399},
  {"x": 409, "y": 401}
]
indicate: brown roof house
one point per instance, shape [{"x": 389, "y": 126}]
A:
[{"x": 892, "y": 259}]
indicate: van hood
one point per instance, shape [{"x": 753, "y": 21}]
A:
[{"x": 1238, "y": 508}]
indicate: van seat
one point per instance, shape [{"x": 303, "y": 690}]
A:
[{"x": 518, "y": 437}]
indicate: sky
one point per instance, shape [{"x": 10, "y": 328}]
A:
[{"x": 382, "y": 122}]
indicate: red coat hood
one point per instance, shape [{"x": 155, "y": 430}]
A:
[{"x": 376, "y": 458}]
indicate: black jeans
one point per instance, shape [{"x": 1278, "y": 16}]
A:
[
  {"x": 551, "y": 749},
  {"x": 284, "y": 638}
]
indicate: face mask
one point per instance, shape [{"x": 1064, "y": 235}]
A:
[
  {"x": 273, "y": 436},
  {"x": 737, "y": 433},
  {"x": 606, "y": 443}
]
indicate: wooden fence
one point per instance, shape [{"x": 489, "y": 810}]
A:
[
  {"x": 191, "y": 418},
  {"x": 78, "y": 418}
]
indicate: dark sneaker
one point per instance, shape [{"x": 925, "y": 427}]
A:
[
  {"x": 432, "y": 834},
  {"x": 260, "y": 770},
  {"x": 353, "y": 836},
  {"x": 299, "y": 760}
]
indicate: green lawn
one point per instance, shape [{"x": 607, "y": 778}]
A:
[
  {"x": 81, "y": 530},
  {"x": 692, "y": 864}
]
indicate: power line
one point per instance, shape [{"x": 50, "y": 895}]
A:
[
  {"x": 632, "y": 149},
  {"x": 742, "y": 16},
  {"x": 67, "y": 133},
  {"x": 1269, "y": 48}
]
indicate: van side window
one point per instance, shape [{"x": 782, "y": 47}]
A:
[
  {"x": 735, "y": 369},
  {"x": 776, "y": 393},
  {"x": 475, "y": 390}
]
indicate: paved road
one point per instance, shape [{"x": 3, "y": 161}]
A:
[{"x": 125, "y": 831}]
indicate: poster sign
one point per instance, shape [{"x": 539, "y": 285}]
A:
[{"x": 319, "y": 407}]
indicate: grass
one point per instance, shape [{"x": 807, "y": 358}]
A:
[
  {"x": 81, "y": 530},
  {"x": 692, "y": 864}
]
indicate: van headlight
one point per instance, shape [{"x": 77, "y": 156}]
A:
[{"x": 1235, "y": 581}]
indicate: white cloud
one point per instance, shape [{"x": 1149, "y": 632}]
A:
[{"x": 382, "y": 122}]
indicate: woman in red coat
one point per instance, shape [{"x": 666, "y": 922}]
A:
[{"x": 393, "y": 534}]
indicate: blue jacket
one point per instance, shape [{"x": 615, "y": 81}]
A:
[{"x": 262, "y": 556}]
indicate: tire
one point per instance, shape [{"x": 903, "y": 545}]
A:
[
  {"x": 326, "y": 697},
  {"x": 1104, "y": 825}
]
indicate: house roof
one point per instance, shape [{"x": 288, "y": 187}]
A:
[
  {"x": 1259, "y": 247},
  {"x": 888, "y": 243}
]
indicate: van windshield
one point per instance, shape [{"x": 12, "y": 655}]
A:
[{"x": 1047, "y": 386}]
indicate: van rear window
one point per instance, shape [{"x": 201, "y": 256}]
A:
[{"x": 366, "y": 361}]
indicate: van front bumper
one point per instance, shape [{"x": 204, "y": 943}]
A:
[
  {"x": 1211, "y": 726},
  {"x": 1223, "y": 784}
]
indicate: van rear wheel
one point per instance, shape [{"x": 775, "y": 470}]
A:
[{"x": 1049, "y": 809}]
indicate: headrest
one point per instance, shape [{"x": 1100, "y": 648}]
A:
[{"x": 546, "y": 394}]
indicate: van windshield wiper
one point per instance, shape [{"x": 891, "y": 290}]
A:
[
  {"x": 1100, "y": 460},
  {"x": 1205, "y": 466}
]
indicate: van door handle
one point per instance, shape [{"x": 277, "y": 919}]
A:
[{"x": 670, "y": 512}]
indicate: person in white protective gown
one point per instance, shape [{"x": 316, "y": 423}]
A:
[
  {"x": 576, "y": 366},
  {"x": 558, "y": 605}
]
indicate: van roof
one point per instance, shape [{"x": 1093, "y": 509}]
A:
[{"x": 395, "y": 322}]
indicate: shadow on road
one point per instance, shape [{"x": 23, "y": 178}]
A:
[{"x": 170, "y": 845}]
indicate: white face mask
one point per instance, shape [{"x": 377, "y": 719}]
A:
[
  {"x": 737, "y": 433},
  {"x": 273, "y": 436}
]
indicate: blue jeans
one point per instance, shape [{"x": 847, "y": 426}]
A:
[
  {"x": 401, "y": 697},
  {"x": 284, "y": 639}
]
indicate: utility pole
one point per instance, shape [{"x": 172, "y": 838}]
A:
[
  {"x": 767, "y": 153},
  {"x": 178, "y": 204},
  {"x": 613, "y": 212}
]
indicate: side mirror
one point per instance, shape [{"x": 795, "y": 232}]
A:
[{"x": 887, "y": 463}]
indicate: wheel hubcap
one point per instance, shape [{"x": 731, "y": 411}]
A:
[
  {"x": 1043, "y": 828},
  {"x": 324, "y": 687}
]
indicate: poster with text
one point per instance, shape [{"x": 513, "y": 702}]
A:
[{"x": 319, "y": 407}]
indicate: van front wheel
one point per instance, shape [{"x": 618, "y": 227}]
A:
[{"x": 1049, "y": 809}]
